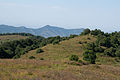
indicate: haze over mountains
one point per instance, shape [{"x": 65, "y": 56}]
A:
[{"x": 46, "y": 31}]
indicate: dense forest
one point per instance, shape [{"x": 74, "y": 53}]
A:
[{"x": 14, "y": 49}]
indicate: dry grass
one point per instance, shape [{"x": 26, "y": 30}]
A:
[
  {"x": 53, "y": 67},
  {"x": 11, "y": 38},
  {"x": 63, "y": 50}
]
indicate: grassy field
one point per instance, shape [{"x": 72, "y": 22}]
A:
[
  {"x": 11, "y": 38},
  {"x": 55, "y": 64}
]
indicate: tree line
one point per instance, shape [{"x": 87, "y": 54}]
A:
[{"x": 22, "y": 34}]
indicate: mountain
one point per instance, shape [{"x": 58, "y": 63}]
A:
[{"x": 46, "y": 31}]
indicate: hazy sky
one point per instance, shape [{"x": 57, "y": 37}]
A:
[{"x": 102, "y": 14}]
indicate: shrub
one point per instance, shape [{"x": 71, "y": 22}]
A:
[
  {"x": 55, "y": 42},
  {"x": 110, "y": 52},
  {"x": 73, "y": 36},
  {"x": 85, "y": 32},
  {"x": 98, "y": 49},
  {"x": 80, "y": 61},
  {"x": 89, "y": 56},
  {"x": 39, "y": 51},
  {"x": 88, "y": 38},
  {"x": 74, "y": 58},
  {"x": 41, "y": 58},
  {"x": 31, "y": 57},
  {"x": 16, "y": 57},
  {"x": 80, "y": 42},
  {"x": 117, "y": 53}
]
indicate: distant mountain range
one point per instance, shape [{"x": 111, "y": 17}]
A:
[{"x": 46, "y": 31}]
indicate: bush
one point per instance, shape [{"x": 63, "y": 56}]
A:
[
  {"x": 73, "y": 36},
  {"x": 80, "y": 42},
  {"x": 117, "y": 53},
  {"x": 41, "y": 58},
  {"x": 110, "y": 52},
  {"x": 89, "y": 56},
  {"x": 74, "y": 58},
  {"x": 16, "y": 57},
  {"x": 88, "y": 38},
  {"x": 98, "y": 49},
  {"x": 86, "y": 31},
  {"x": 31, "y": 57},
  {"x": 55, "y": 42},
  {"x": 80, "y": 61},
  {"x": 39, "y": 51}
]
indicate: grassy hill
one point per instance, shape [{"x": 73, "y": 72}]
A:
[
  {"x": 5, "y": 38},
  {"x": 53, "y": 64}
]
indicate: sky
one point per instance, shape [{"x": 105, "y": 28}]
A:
[{"x": 100, "y": 14}]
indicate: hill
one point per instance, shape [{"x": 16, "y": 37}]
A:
[
  {"x": 46, "y": 31},
  {"x": 6, "y": 38},
  {"x": 53, "y": 64}
]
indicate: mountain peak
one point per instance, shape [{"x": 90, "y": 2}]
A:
[
  {"x": 47, "y": 26},
  {"x": 46, "y": 31}
]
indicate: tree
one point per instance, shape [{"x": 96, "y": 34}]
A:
[
  {"x": 99, "y": 49},
  {"x": 110, "y": 52},
  {"x": 31, "y": 57},
  {"x": 73, "y": 36},
  {"x": 55, "y": 42},
  {"x": 3, "y": 54},
  {"x": 105, "y": 42},
  {"x": 117, "y": 53},
  {"x": 73, "y": 58},
  {"x": 90, "y": 46},
  {"x": 39, "y": 51},
  {"x": 89, "y": 56},
  {"x": 96, "y": 32},
  {"x": 86, "y": 31}
]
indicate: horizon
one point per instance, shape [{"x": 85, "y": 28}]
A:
[{"x": 92, "y": 14}]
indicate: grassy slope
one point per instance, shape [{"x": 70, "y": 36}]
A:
[
  {"x": 53, "y": 67},
  {"x": 11, "y": 37}
]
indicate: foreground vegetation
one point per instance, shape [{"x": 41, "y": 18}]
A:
[{"x": 66, "y": 58}]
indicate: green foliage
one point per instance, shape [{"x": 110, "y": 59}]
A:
[
  {"x": 73, "y": 36},
  {"x": 117, "y": 53},
  {"x": 16, "y": 57},
  {"x": 55, "y": 42},
  {"x": 90, "y": 46},
  {"x": 80, "y": 42},
  {"x": 110, "y": 52},
  {"x": 39, "y": 51},
  {"x": 96, "y": 32},
  {"x": 80, "y": 61},
  {"x": 41, "y": 58},
  {"x": 85, "y": 32},
  {"x": 107, "y": 44},
  {"x": 98, "y": 49},
  {"x": 89, "y": 56},
  {"x": 73, "y": 58},
  {"x": 31, "y": 57},
  {"x": 22, "y": 34}
]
